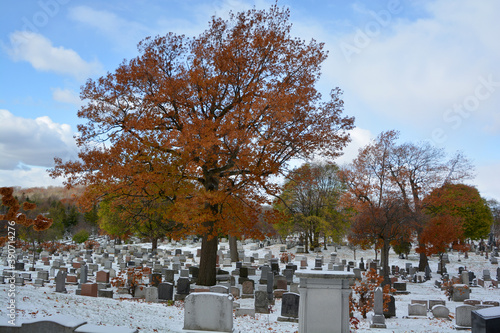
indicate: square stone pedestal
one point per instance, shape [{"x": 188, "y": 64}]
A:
[{"x": 324, "y": 301}]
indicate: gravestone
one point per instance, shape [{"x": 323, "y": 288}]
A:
[
  {"x": 208, "y": 312},
  {"x": 288, "y": 273},
  {"x": 318, "y": 264},
  {"x": 183, "y": 286},
  {"x": 194, "y": 271},
  {"x": 107, "y": 293},
  {"x": 463, "y": 315},
  {"x": 108, "y": 264},
  {"x": 280, "y": 282},
  {"x": 151, "y": 294},
  {"x": 165, "y": 291},
  {"x": 275, "y": 266},
  {"x": 169, "y": 275},
  {"x": 219, "y": 289},
  {"x": 261, "y": 302},
  {"x": 433, "y": 302},
  {"x": 84, "y": 272},
  {"x": 243, "y": 272},
  {"x": 324, "y": 301},
  {"x": 417, "y": 310},
  {"x": 184, "y": 273},
  {"x": 486, "y": 275},
  {"x": 235, "y": 291},
  {"x": 399, "y": 286},
  {"x": 61, "y": 282},
  {"x": 155, "y": 279},
  {"x": 89, "y": 289},
  {"x": 440, "y": 311},
  {"x": 486, "y": 320},
  {"x": 270, "y": 282},
  {"x": 247, "y": 289},
  {"x": 418, "y": 301},
  {"x": 465, "y": 277},
  {"x": 102, "y": 276},
  {"x": 391, "y": 308},
  {"x": 378, "y": 319},
  {"x": 290, "y": 307},
  {"x": 263, "y": 277},
  {"x": 357, "y": 273},
  {"x": 461, "y": 292},
  {"x": 44, "y": 275}
]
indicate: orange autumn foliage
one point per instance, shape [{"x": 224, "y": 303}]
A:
[
  {"x": 39, "y": 223},
  {"x": 201, "y": 124}
]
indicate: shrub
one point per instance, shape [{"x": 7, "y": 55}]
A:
[{"x": 81, "y": 236}]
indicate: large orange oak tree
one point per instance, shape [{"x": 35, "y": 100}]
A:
[{"x": 205, "y": 121}]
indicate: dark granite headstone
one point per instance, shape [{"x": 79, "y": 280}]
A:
[
  {"x": 472, "y": 276},
  {"x": 165, "y": 291},
  {"x": 399, "y": 286},
  {"x": 183, "y": 286},
  {"x": 155, "y": 279},
  {"x": 275, "y": 267},
  {"x": 486, "y": 320},
  {"x": 290, "y": 305},
  {"x": 391, "y": 311},
  {"x": 243, "y": 272},
  {"x": 194, "y": 271}
]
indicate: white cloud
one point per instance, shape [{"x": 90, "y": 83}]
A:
[
  {"x": 33, "y": 141},
  {"x": 43, "y": 56},
  {"x": 28, "y": 177},
  {"x": 415, "y": 70},
  {"x": 487, "y": 180},
  {"x": 66, "y": 96},
  {"x": 359, "y": 138}
]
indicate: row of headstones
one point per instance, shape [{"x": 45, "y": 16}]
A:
[
  {"x": 439, "y": 310},
  {"x": 468, "y": 278}
]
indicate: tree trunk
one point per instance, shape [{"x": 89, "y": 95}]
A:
[
  {"x": 385, "y": 262},
  {"x": 154, "y": 244},
  {"x": 423, "y": 261},
  {"x": 311, "y": 242},
  {"x": 208, "y": 261},
  {"x": 306, "y": 242},
  {"x": 233, "y": 248}
]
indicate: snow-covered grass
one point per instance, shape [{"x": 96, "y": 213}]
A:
[{"x": 122, "y": 310}]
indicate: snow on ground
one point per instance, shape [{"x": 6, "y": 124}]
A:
[{"x": 122, "y": 310}]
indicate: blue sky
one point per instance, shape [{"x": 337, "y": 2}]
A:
[{"x": 430, "y": 69}]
